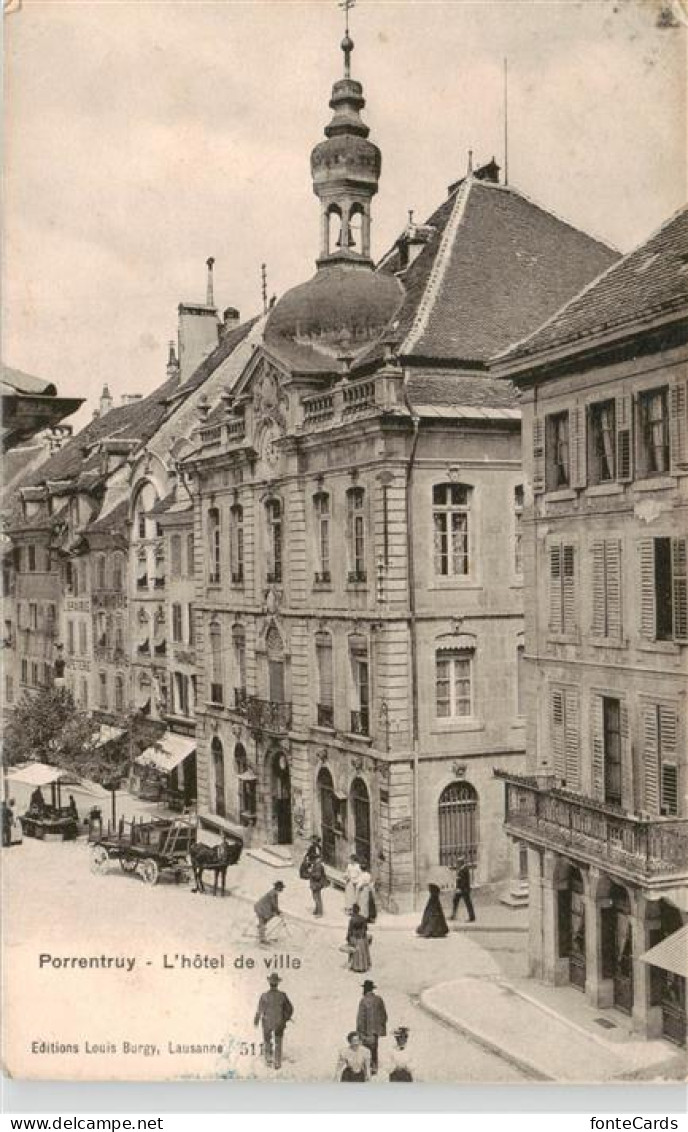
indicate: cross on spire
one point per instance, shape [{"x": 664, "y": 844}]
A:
[
  {"x": 347, "y": 42},
  {"x": 345, "y": 5}
]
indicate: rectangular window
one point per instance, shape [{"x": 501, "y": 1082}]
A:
[
  {"x": 520, "y": 681},
  {"x": 117, "y": 573},
  {"x": 177, "y": 634},
  {"x": 176, "y": 555},
  {"x": 653, "y": 438},
  {"x": 450, "y": 513},
  {"x": 663, "y": 585},
  {"x": 236, "y": 543},
  {"x": 565, "y": 735},
  {"x": 119, "y": 694},
  {"x": 216, "y": 666},
  {"x": 9, "y": 634},
  {"x": 453, "y": 680},
  {"x": 70, "y": 638},
  {"x": 214, "y": 545},
  {"x": 239, "y": 645},
  {"x": 562, "y": 589},
  {"x": 518, "y": 530},
  {"x": 274, "y": 521},
  {"x": 191, "y": 617},
  {"x": 355, "y": 534},
  {"x": 31, "y": 557},
  {"x": 83, "y": 693},
  {"x": 660, "y": 759},
  {"x": 321, "y": 507},
  {"x": 558, "y": 472},
  {"x": 325, "y": 706},
  {"x": 47, "y": 675},
  {"x": 190, "y": 565},
  {"x": 33, "y": 615},
  {"x": 611, "y": 712},
  {"x": 25, "y": 671},
  {"x": 606, "y": 588},
  {"x": 9, "y": 688},
  {"x": 360, "y": 715},
  {"x": 602, "y": 442},
  {"x": 34, "y": 673},
  {"x": 102, "y": 690}
]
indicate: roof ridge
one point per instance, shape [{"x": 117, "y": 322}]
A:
[
  {"x": 596, "y": 239},
  {"x": 615, "y": 266},
  {"x": 438, "y": 269}
]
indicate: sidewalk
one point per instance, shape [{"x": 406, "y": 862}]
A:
[{"x": 551, "y": 1033}]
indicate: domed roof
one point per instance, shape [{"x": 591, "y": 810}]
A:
[{"x": 341, "y": 310}]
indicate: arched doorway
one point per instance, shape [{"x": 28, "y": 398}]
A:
[
  {"x": 360, "y": 808},
  {"x": 328, "y": 816},
  {"x": 617, "y": 947},
  {"x": 668, "y": 990},
  {"x": 218, "y": 760},
  {"x": 458, "y": 824},
  {"x": 281, "y": 798},
  {"x": 572, "y": 927}
]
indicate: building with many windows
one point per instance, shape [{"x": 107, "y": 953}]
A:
[
  {"x": 602, "y": 808},
  {"x": 358, "y": 504}
]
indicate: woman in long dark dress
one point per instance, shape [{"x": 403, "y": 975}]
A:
[
  {"x": 357, "y": 939},
  {"x": 433, "y": 924}
]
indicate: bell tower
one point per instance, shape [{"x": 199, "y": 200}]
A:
[{"x": 345, "y": 170}]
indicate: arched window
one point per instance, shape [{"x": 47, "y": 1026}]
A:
[
  {"x": 458, "y": 824},
  {"x": 236, "y": 543},
  {"x": 217, "y": 693},
  {"x": 218, "y": 760},
  {"x": 119, "y": 637},
  {"x": 275, "y": 652},
  {"x": 144, "y": 524},
  {"x": 356, "y": 534},
  {"x": 333, "y": 229},
  {"x": 360, "y": 810},
  {"x": 321, "y": 511},
  {"x": 356, "y": 228},
  {"x": 273, "y": 510},
  {"x": 450, "y": 514},
  {"x": 214, "y": 545},
  {"x": 328, "y": 816},
  {"x": 323, "y": 656},
  {"x": 118, "y": 572}
]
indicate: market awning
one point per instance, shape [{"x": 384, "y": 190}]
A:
[
  {"x": 106, "y": 734},
  {"x": 671, "y": 954},
  {"x": 169, "y": 751},
  {"x": 40, "y": 774}
]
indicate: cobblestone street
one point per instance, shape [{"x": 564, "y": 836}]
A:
[{"x": 56, "y": 906}]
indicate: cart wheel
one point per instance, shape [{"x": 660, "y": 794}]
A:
[
  {"x": 149, "y": 871},
  {"x": 99, "y": 859},
  {"x": 128, "y": 866}
]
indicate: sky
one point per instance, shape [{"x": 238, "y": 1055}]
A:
[{"x": 141, "y": 137}]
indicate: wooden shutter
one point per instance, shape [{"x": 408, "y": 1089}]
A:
[
  {"x": 624, "y": 439},
  {"x": 538, "y": 455},
  {"x": 613, "y": 588},
  {"x": 555, "y": 589},
  {"x": 678, "y": 424},
  {"x": 558, "y": 709},
  {"x": 679, "y": 581},
  {"x": 572, "y": 739},
  {"x": 597, "y": 720},
  {"x": 577, "y": 452},
  {"x": 569, "y": 588},
  {"x": 651, "y": 759},
  {"x": 668, "y": 747},
  {"x": 646, "y": 587},
  {"x": 599, "y": 618}
]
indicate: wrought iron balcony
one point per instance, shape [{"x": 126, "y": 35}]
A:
[
  {"x": 274, "y": 577},
  {"x": 238, "y": 576},
  {"x": 268, "y": 715},
  {"x": 240, "y": 699},
  {"x": 360, "y": 722},
  {"x": 325, "y": 715},
  {"x": 357, "y": 576},
  {"x": 322, "y": 578},
  {"x": 640, "y": 848}
]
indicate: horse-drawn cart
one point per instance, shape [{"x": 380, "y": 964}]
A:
[{"x": 145, "y": 847}]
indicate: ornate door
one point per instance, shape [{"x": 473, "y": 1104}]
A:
[
  {"x": 458, "y": 824},
  {"x": 281, "y": 799},
  {"x": 360, "y": 805},
  {"x": 328, "y": 816},
  {"x": 219, "y": 776}
]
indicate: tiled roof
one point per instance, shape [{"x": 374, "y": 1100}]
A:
[
  {"x": 495, "y": 268},
  {"x": 650, "y": 281},
  {"x": 16, "y": 382},
  {"x": 210, "y": 364},
  {"x": 112, "y": 521},
  {"x": 464, "y": 389},
  {"x": 40, "y": 522}
]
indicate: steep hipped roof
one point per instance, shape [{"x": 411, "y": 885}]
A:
[
  {"x": 208, "y": 366},
  {"x": 650, "y": 282},
  {"x": 495, "y": 268},
  {"x": 111, "y": 522}
]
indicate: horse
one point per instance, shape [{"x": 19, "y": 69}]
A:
[{"x": 217, "y": 859}]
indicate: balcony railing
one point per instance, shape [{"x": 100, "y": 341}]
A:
[
  {"x": 322, "y": 578},
  {"x": 641, "y": 848},
  {"x": 142, "y": 582},
  {"x": 238, "y": 576},
  {"x": 325, "y": 715},
  {"x": 273, "y": 577},
  {"x": 360, "y": 723},
  {"x": 268, "y": 715},
  {"x": 357, "y": 576},
  {"x": 240, "y": 699},
  {"x": 159, "y": 583}
]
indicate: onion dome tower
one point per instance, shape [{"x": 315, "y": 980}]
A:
[
  {"x": 322, "y": 324},
  {"x": 346, "y": 170}
]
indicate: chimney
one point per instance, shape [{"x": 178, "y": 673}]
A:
[
  {"x": 106, "y": 402},
  {"x": 230, "y": 319},
  {"x": 199, "y": 330},
  {"x": 129, "y": 398},
  {"x": 172, "y": 363}
]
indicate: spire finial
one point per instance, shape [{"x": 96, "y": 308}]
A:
[
  {"x": 264, "y": 285},
  {"x": 347, "y": 42},
  {"x": 210, "y": 263}
]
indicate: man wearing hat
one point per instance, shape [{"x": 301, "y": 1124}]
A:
[
  {"x": 463, "y": 890},
  {"x": 371, "y": 1021},
  {"x": 275, "y": 1010},
  {"x": 266, "y": 908}
]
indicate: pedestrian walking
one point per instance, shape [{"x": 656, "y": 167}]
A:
[
  {"x": 433, "y": 924},
  {"x": 6, "y": 823},
  {"x": 358, "y": 942},
  {"x": 353, "y": 1063},
  {"x": 318, "y": 880},
  {"x": 267, "y": 908},
  {"x": 364, "y": 895},
  {"x": 371, "y": 1021},
  {"x": 16, "y": 832},
  {"x": 274, "y": 1011},
  {"x": 351, "y": 877},
  {"x": 312, "y": 854},
  {"x": 463, "y": 889},
  {"x": 400, "y": 1066}
]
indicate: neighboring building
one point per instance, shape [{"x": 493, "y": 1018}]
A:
[
  {"x": 603, "y": 808},
  {"x": 28, "y": 405},
  {"x": 357, "y": 505}
]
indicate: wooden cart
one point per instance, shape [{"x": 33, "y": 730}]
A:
[{"x": 147, "y": 847}]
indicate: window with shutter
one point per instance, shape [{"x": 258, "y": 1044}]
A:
[
  {"x": 572, "y": 739},
  {"x": 557, "y": 451},
  {"x": 646, "y": 605},
  {"x": 599, "y": 611},
  {"x": 555, "y": 589},
  {"x": 569, "y": 589},
  {"x": 680, "y": 589},
  {"x": 558, "y": 735},
  {"x": 624, "y": 439},
  {"x": 578, "y": 476},
  {"x": 613, "y": 593},
  {"x": 602, "y": 442},
  {"x": 651, "y": 759},
  {"x": 678, "y": 424},
  {"x": 668, "y": 751},
  {"x": 538, "y": 455},
  {"x": 597, "y": 721}
]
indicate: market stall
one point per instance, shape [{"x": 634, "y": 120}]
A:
[
  {"x": 166, "y": 772},
  {"x": 43, "y": 819}
]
